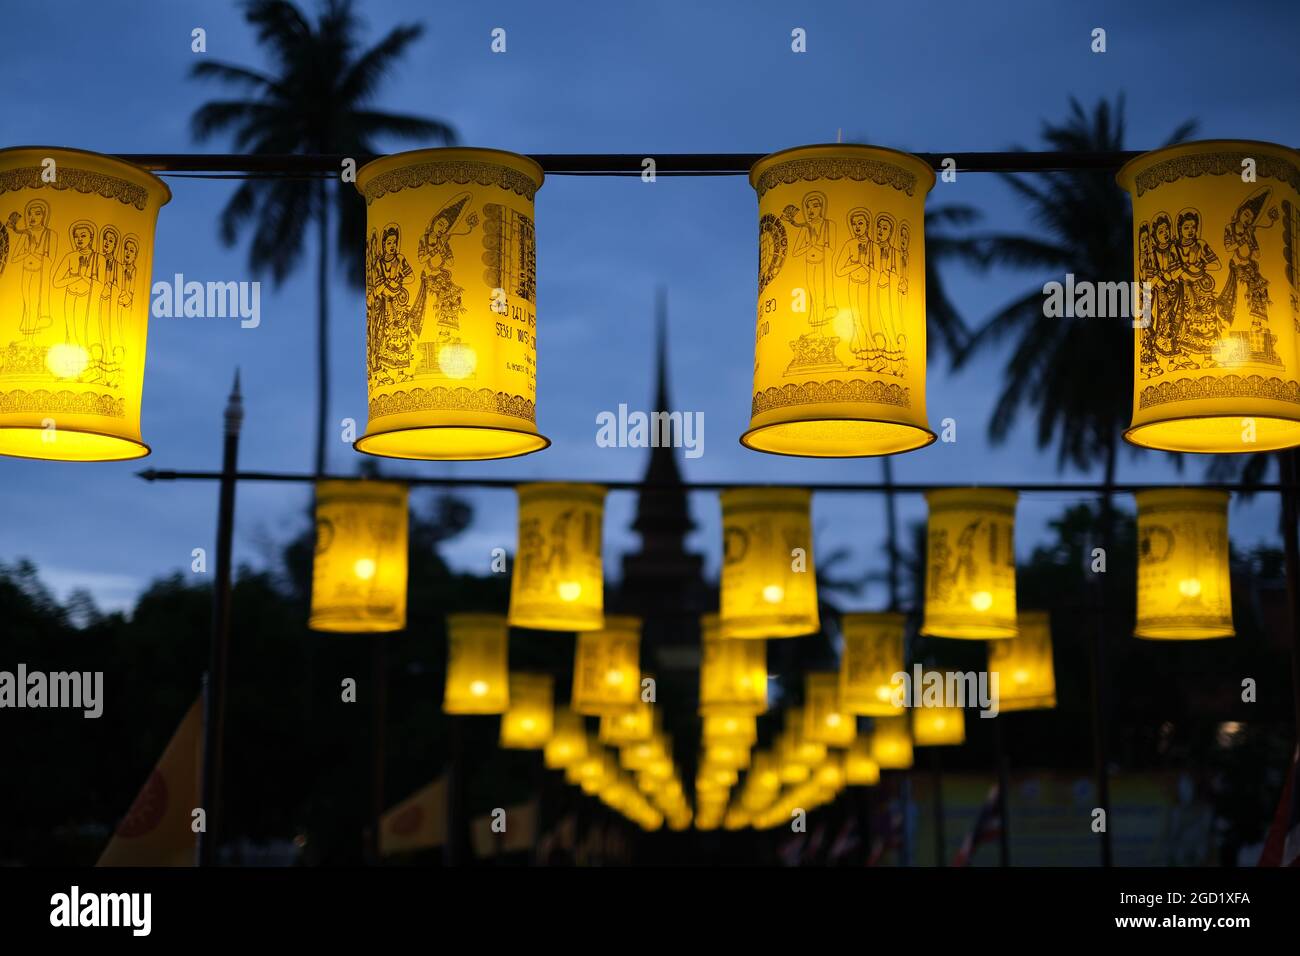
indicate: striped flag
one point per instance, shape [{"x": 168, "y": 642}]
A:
[
  {"x": 987, "y": 828},
  {"x": 1282, "y": 845}
]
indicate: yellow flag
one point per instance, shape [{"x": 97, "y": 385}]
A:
[
  {"x": 519, "y": 835},
  {"x": 158, "y": 829},
  {"x": 417, "y": 823}
]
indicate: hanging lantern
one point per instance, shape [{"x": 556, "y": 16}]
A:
[
  {"x": 860, "y": 768},
  {"x": 558, "y": 582},
  {"x": 640, "y": 756},
  {"x": 839, "y": 349},
  {"x": 451, "y": 317},
  {"x": 529, "y": 721},
  {"x": 794, "y": 744},
  {"x": 76, "y": 260},
  {"x": 1026, "y": 675},
  {"x": 891, "y": 742},
  {"x": 1184, "y": 590},
  {"x": 607, "y": 667},
  {"x": 568, "y": 741},
  {"x": 629, "y": 725},
  {"x": 825, "y": 720},
  {"x": 733, "y": 673},
  {"x": 769, "y": 587},
  {"x": 873, "y": 654},
  {"x": 358, "y": 581},
  {"x": 478, "y": 674},
  {"x": 970, "y": 568},
  {"x": 1216, "y": 259},
  {"x": 737, "y": 728},
  {"x": 938, "y": 726}
]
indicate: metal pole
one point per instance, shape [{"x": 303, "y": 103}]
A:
[
  {"x": 936, "y": 765},
  {"x": 1289, "y": 468},
  {"x": 214, "y": 722},
  {"x": 1004, "y": 818}
]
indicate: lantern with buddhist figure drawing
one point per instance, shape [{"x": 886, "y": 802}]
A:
[
  {"x": 451, "y": 305},
  {"x": 891, "y": 742},
  {"x": 860, "y": 768},
  {"x": 733, "y": 673},
  {"x": 358, "y": 581},
  {"x": 607, "y": 667},
  {"x": 1026, "y": 675},
  {"x": 938, "y": 726},
  {"x": 558, "y": 580},
  {"x": 568, "y": 741},
  {"x": 769, "y": 587},
  {"x": 76, "y": 254},
  {"x": 839, "y": 346},
  {"x": 478, "y": 673},
  {"x": 1216, "y": 253},
  {"x": 825, "y": 720},
  {"x": 970, "y": 567},
  {"x": 1184, "y": 589},
  {"x": 529, "y": 720},
  {"x": 873, "y": 654}
]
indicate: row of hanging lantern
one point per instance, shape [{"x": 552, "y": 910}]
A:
[{"x": 839, "y": 347}]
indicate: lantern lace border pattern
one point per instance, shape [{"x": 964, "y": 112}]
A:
[
  {"x": 458, "y": 399},
  {"x": 1215, "y": 164},
  {"x": 80, "y": 180},
  {"x": 461, "y": 173},
  {"x": 69, "y": 403},
  {"x": 855, "y": 390},
  {"x": 859, "y": 170},
  {"x": 1211, "y": 387}
]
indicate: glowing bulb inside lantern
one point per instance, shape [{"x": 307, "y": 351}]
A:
[
  {"x": 773, "y": 593},
  {"x": 981, "y": 600},
  {"x": 66, "y": 360},
  {"x": 1189, "y": 587},
  {"x": 478, "y": 688},
  {"x": 1021, "y": 676},
  {"x": 364, "y": 568},
  {"x": 527, "y": 724},
  {"x": 457, "y": 360},
  {"x": 614, "y": 677},
  {"x": 569, "y": 590},
  {"x": 833, "y": 720}
]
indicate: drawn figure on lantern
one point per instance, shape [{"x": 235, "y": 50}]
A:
[
  {"x": 855, "y": 262},
  {"x": 33, "y": 250},
  {"x": 110, "y": 277},
  {"x": 76, "y": 275},
  {"x": 815, "y": 241},
  {"x": 1149, "y": 359},
  {"x": 1196, "y": 317},
  {"x": 953, "y": 569},
  {"x": 887, "y": 283},
  {"x": 435, "y": 253},
  {"x": 1246, "y": 286},
  {"x": 389, "y": 333},
  {"x": 126, "y": 297}
]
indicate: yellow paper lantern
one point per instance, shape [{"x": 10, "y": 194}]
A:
[
  {"x": 891, "y": 742},
  {"x": 737, "y": 728},
  {"x": 794, "y": 744},
  {"x": 970, "y": 568},
  {"x": 938, "y": 726},
  {"x": 451, "y": 316},
  {"x": 1184, "y": 589},
  {"x": 640, "y": 756},
  {"x": 1026, "y": 674},
  {"x": 568, "y": 742},
  {"x": 733, "y": 673},
  {"x": 1216, "y": 365},
  {"x": 630, "y": 725},
  {"x": 839, "y": 348},
  {"x": 860, "y": 768},
  {"x": 76, "y": 260},
  {"x": 529, "y": 721},
  {"x": 607, "y": 667},
  {"x": 873, "y": 654},
  {"x": 478, "y": 672},
  {"x": 825, "y": 720},
  {"x": 358, "y": 582},
  {"x": 769, "y": 587},
  {"x": 558, "y": 582}
]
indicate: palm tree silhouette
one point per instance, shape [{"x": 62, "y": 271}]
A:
[{"x": 316, "y": 100}]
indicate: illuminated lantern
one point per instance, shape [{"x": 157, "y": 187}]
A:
[
  {"x": 478, "y": 673},
  {"x": 607, "y": 667},
  {"x": 938, "y": 726},
  {"x": 568, "y": 742},
  {"x": 1184, "y": 591},
  {"x": 451, "y": 292},
  {"x": 640, "y": 756},
  {"x": 794, "y": 745},
  {"x": 358, "y": 581},
  {"x": 76, "y": 261},
  {"x": 970, "y": 567},
  {"x": 736, "y": 728},
  {"x": 558, "y": 582},
  {"x": 873, "y": 654},
  {"x": 891, "y": 742},
  {"x": 769, "y": 588},
  {"x": 825, "y": 720},
  {"x": 733, "y": 673},
  {"x": 1026, "y": 675},
  {"x": 839, "y": 348},
  {"x": 630, "y": 725},
  {"x": 1215, "y": 361},
  {"x": 529, "y": 720},
  {"x": 860, "y": 768}
]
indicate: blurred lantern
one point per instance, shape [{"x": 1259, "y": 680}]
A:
[
  {"x": 1217, "y": 254},
  {"x": 76, "y": 260},
  {"x": 629, "y": 725},
  {"x": 568, "y": 742},
  {"x": 558, "y": 582},
  {"x": 1184, "y": 590},
  {"x": 530, "y": 719},
  {"x": 730, "y": 755},
  {"x": 358, "y": 581},
  {"x": 825, "y": 720},
  {"x": 860, "y": 768},
  {"x": 938, "y": 726},
  {"x": 1026, "y": 675},
  {"x": 891, "y": 742},
  {"x": 607, "y": 667},
  {"x": 794, "y": 745},
  {"x": 873, "y": 654},
  {"x": 733, "y": 673},
  {"x": 451, "y": 320},
  {"x": 730, "y": 728},
  {"x": 639, "y": 756},
  {"x": 839, "y": 351},
  {"x": 478, "y": 674},
  {"x": 970, "y": 568},
  {"x": 769, "y": 586}
]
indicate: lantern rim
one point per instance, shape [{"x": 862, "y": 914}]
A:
[
  {"x": 1283, "y": 433},
  {"x": 353, "y": 627},
  {"x": 1127, "y": 173},
  {"x": 1186, "y": 632},
  {"x": 131, "y": 449},
  {"x": 144, "y": 176},
  {"x": 901, "y": 429},
  {"x": 971, "y": 632},
  {"x": 540, "y": 443},
  {"x": 830, "y": 149},
  {"x": 516, "y": 161}
]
